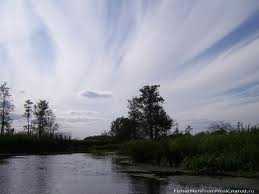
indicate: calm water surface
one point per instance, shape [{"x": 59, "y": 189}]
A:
[{"x": 85, "y": 173}]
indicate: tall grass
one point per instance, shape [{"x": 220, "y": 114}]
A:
[
  {"x": 238, "y": 150},
  {"x": 144, "y": 150}
]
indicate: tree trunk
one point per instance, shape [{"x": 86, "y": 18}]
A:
[
  {"x": 28, "y": 126},
  {"x": 2, "y": 127},
  {"x": 3, "y": 117},
  {"x": 151, "y": 134},
  {"x": 156, "y": 134},
  {"x": 40, "y": 128}
]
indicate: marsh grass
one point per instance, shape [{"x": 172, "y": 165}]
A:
[{"x": 210, "y": 152}]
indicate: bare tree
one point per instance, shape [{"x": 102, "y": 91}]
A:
[
  {"x": 188, "y": 129},
  {"x": 220, "y": 126},
  {"x": 6, "y": 107},
  {"x": 45, "y": 120},
  {"x": 28, "y": 114},
  {"x": 52, "y": 126},
  {"x": 40, "y": 112}
]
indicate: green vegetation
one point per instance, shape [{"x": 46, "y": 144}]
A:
[
  {"x": 101, "y": 144},
  {"x": 233, "y": 151},
  {"x": 144, "y": 150},
  {"x": 223, "y": 148},
  {"x": 24, "y": 144},
  {"x": 209, "y": 153}
]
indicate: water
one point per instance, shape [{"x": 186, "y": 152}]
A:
[{"x": 85, "y": 173}]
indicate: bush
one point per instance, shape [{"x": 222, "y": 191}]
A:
[
  {"x": 213, "y": 163},
  {"x": 179, "y": 148},
  {"x": 144, "y": 150},
  {"x": 225, "y": 152}
]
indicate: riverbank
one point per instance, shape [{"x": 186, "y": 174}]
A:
[
  {"x": 22, "y": 145},
  {"x": 157, "y": 172},
  {"x": 218, "y": 153},
  {"x": 143, "y": 170}
]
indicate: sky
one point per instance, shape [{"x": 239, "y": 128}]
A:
[{"x": 88, "y": 57}]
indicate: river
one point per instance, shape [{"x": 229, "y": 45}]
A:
[{"x": 86, "y": 173}]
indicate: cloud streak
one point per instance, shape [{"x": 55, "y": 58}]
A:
[
  {"x": 95, "y": 94},
  {"x": 202, "y": 53}
]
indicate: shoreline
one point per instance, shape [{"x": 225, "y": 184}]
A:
[{"x": 146, "y": 170}]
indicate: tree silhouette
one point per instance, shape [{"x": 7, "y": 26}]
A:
[
  {"x": 52, "y": 126},
  {"x": 162, "y": 123},
  {"x": 135, "y": 116},
  {"x": 188, "y": 129},
  {"x": 122, "y": 128},
  {"x": 40, "y": 112},
  {"x": 45, "y": 119},
  {"x": 220, "y": 126},
  {"x": 54, "y": 129},
  {"x": 28, "y": 114},
  {"x": 147, "y": 114},
  {"x": 6, "y": 107}
]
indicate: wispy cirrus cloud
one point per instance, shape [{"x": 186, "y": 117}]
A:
[
  {"x": 203, "y": 64},
  {"x": 83, "y": 112}
]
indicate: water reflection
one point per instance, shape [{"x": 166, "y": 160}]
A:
[
  {"x": 20, "y": 173},
  {"x": 140, "y": 185},
  {"x": 83, "y": 173}
]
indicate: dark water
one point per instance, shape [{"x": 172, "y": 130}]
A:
[{"x": 84, "y": 173}]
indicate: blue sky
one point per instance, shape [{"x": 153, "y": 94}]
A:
[{"x": 88, "y": 57}]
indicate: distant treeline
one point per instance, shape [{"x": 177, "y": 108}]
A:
[
  {"x": 40, "y": 121},
  {"x": 40, "y": 131}
]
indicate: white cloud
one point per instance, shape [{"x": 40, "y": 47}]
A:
[
  {"x": 95, "y": 94},
  {"x": 64, "y": 47}
]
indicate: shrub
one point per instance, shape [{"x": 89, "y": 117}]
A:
[
  {"x": 179, "y": 148},
  {"x": 144, "y": 150}
]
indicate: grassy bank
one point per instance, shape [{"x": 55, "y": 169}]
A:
[
  {"x": 102, "y": 143},
  {"x": 23, "y": 144},
  {"x": 204, "y": 153}
]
